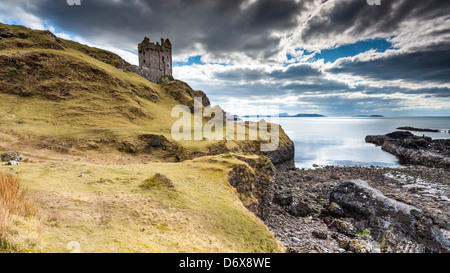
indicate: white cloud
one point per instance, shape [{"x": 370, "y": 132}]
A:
[{"x": 16, "y": 14}]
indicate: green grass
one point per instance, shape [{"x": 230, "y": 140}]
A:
[{"x": 157, "y": 181}]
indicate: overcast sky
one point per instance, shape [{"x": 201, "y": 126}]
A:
[{"x": 335, "y": 57}]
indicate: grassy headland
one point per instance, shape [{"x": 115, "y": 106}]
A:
[{"x": 91, "y": 133}]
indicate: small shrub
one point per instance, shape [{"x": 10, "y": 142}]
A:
[{"x": 364, "y": 233}]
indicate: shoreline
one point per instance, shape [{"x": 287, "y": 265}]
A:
[
  {"x": 367, "y": 209},
  {"x": 303, "y": 218}
]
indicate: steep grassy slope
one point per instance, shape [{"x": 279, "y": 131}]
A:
[
  {"x": 68, "y": 97},
  {"x": 72, "y": 109},
  {"x": 71, "y": 89}
]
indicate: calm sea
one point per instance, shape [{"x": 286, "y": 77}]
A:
[{"x": 341, "y": 141}]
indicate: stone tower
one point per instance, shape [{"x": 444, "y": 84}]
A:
[{"x": 156, "y": 59}]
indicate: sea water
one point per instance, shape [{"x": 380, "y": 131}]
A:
[{"x": 341, "y": 141}]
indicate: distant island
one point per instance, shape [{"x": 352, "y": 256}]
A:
[
  {"x": 368, "y": 116},
  {"x": 408, "y": 128},
  {"x": 286, "y": 115}
]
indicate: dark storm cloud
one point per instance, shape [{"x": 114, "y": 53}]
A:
[
  {"x": 320, "y": 86},
  {"x": 424, "y": 60},
  {"x": 356, "y": 17},
  {"x": 296, "y": 72},
  {"x": 428, "y": 65},
  {"x": 241, "y": 74},
  {"x": 293, "y": 72},
  {"x": 222, "y": 31},
  {"x": 220, "y": 26},
  {"x": 330, "y": 95}
]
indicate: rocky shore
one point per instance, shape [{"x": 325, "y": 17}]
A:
[
  {"x": 412, "y": 149},
  {"x": 356, "y": 209},
  {"x": 360, "y": 209}
]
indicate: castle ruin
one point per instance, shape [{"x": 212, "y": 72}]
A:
[{"x": 155, "y": 60}]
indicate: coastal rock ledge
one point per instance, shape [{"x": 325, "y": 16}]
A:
[
  {"x": 412, "y": 149},
  {"x": 358, "y": 209},
  {"x": 396, "y": 226}
]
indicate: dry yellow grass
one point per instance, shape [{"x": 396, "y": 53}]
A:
[
  {"x": 107, "y": 210},
  {"x": 15, "y": 205}
]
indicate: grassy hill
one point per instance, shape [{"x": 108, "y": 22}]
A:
[{"x": 87, "y": 127}]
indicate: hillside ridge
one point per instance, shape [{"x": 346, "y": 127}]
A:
[
  {"x": 90, "y": 133},
  {"x": 94, "y": 95}
]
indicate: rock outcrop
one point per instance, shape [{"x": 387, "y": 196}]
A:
[
  {"x": 157, "y": 181},
  {"x": 361, "y": 210},
  {"x": 396, "y": 226},
  {"x": 254, "y": 182},
  {"x": 283, "y": 157},
  {"x": 414, "y": 129},
  {"x": 184, "y": 94},
  {"x": 12, "y": 158},
  {"x": 412, "y": 149}
]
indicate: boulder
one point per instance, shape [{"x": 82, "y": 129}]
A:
[
  {"x": 335, "y": 176},
  {"x": 344, "y": 227},
  {"x": 397, "y": 226},
  {"x": 13, "y": 163},
  {"x": 335, "y": 210},
  {"x": 11, "y": 156},
  {"x": 300, "y": 210},
  {"x": 283, "y": 199},
  {"x": 320, "y": 234}
]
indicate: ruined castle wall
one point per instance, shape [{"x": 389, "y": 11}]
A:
[{"x": 155, "y": 59}]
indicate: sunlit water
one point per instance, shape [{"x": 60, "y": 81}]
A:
[{"x": 341, "y": 141}]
